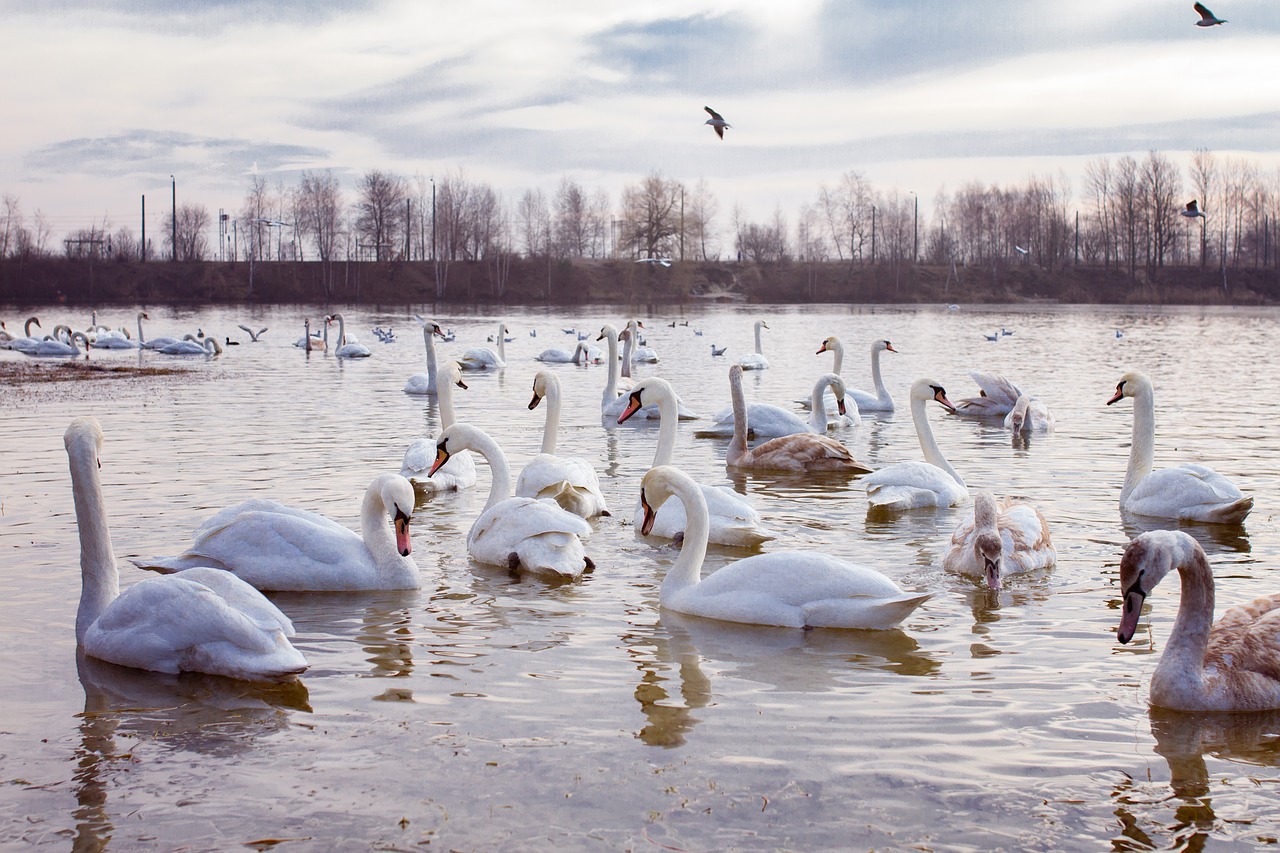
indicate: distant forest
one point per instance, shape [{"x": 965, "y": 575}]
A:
[{"x": 1129, "y": 217}]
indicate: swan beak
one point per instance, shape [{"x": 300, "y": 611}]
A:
[
  {"x": 402, "y": 533},
  {"x": 1130, "y": 613},
  {"x": 1118, "y": 395},
  {"x": 889, "y": 347},
  {"x": 646, "y": 526},
  {"x": 442, "y": 456},
  {"x": 436, "y": 331},
  {"x": 462, "y": 385},
  {"x": 941, "y": 397},
  {"x": 533, "y": 404},
  {"x": 633, "y": 406},
  {"x": 821, "y": 349},
  {"x": 993, "y": 573},
  {"x": 840, "y": 405}
]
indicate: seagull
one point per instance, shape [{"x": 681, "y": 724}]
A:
[
  {"x": 717, "y": 121},
  {"x": 253, "y": 336},
  {"x": 1004, "y": 331},
  {"x": 1119, "y": 334},
  {"x": 1020, "y": 250},
  {"x": 715, "y": 351},
  {"x": 1207, "y": 18},
  {"x": 994, "y": 337},
  {"x": 1192, "y": 210}
]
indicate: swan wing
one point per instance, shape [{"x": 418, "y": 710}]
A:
[
  {"x": 480, "y": 358},
  {"x": 996, "y": 387},
  {"x": 805, "y": 452},
  {"x": 539, "y": 533},
  {"x": 1188, "y": 492},
  {"x": 1024, "y": 532},
  {"x": 1242, "y": 661},
  {"x": 458, "y": 473},
  {"x": 174, "y": 624},
  {"x": 570, "y": 482},
  {"x": 905, "y": 485}
]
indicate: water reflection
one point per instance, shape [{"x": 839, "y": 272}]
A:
[
  {"x": 190, "y": 712},
  {"x": 1185, "y": 739},
  {"x": 1213, "y": 538}
]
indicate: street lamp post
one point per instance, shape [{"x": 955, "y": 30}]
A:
[
  {"x": 174, "y": 185},
  {"x": 915, "y": 228}
]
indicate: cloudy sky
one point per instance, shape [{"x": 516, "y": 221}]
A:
[{"x": 104, "y": 101}]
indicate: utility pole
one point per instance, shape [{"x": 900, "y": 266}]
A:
[
  {"x": 873, "y": 235},
  {"x": 915, "y": 229},
  {"x": 144, "y": 228},
  {"x": 175, "y": 217},
  {"x": 408, "y": 221},
  {"x": 433, "y": 218}
]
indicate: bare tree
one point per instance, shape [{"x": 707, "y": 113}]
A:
[
  {"x": 380, "y": 210},
  {"x": 257, "y": 206},
  {"x": 651, "y": 214},
  {"x": 700, "y": 215},
  {"x": 319, "y": 219},
  {"x": 571, "y": 226},
  {"x": 846, "y": 210},
  {"x": 193, "y": 239},
  {"x": 1160, "y": 187},
  {"x": 763, "y": 243},
  {"x": 599, "y": 221},
  {"x": 533, "y": 223},
  {"x": 1128, "y": 207}
]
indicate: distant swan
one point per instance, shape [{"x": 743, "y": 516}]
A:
[
  {"x": 312, "y": 340},
  {"x": 202, "y": 621},
  {"x": 425, "y": 383},
  {"x": 756, "y": 360},
  {"x": 483, "y": 358},
  {"x": 518, "y": 533},
  {"x": 347, "y": 348},
  {"x": 1029, "y": 415},
  {"x": 765, "y": 420},
  {"x": 998, "y": 539},
  {"x": 733, "y": 520},
  {"x": 1229, "y": 665},
  {"x": 569, "y": 481},
  {"x": 612, "y": 405},
  {"x": 793, "y": 589},
  {"x": 996, "y": 396},
  {"x": 460, "y": 473},
  {"x": 933, "y": 482},
  {"x": 804, "y": 451},
  {"x": 1187, "y": 492},
  {"x": 190, "y": 345},
  {"x": 880, "y": 401},
  {"x": 276, "y": 547},
  {"x": 50, "y": 348}
]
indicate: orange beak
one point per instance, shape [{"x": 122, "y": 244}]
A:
[
  {"x": 633, "y": 406},
  {"x": 442, "y": 456},
  {"x": 402, "y": 534},
  {"x": 646, "y": 526}
]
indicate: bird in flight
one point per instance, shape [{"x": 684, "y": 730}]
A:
[
  {"x": 1192, "y": 210},
  {"x": 1207, "y": 18},
  {"x": 717, "y": 121}
]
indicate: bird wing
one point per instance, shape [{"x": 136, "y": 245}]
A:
[
  {"x": 715, "y": 115},
  {"x": 1203, "y": 10}
]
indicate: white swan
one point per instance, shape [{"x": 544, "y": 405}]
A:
[
  {"x": 425, "y": 383},
  {"x": 733, "y": 520},
  {"x": 1229, "y": 665},
  {"x": 799, "y": 452},
  {"x": 1187, "y": 492},
  {"x": 569, "y": 481},
  {"x": 153, "y": 343},
  {"x": 483, "y": 358},
  {"x": 756, "y": 360},
  {"x": 794, "y": 589},
  {"x": 347, "y": 347},
  {"x": 190, "y": 345},
  {"x": 556, "y": 355},
  {"x": 519, "y": 533},
  {"x": 614, "y": 384},
  {"x": 460, "y": 473},
  {"x": 203, "y": 621},
  {"x": 27, "y": 341},
  {"x": 276, "y": 547},
  {"x": 933, "y": 482},
  {"x": 998, "y": 539},
  {"x": 1029, "y": 415},
  {"x": 766, "y": 420},
  {"x": 51, "y": 348},
  {"x": 119, "y": 340},
  {"x": 585, "y": 354},
  {"x": 640, "y": 354},
  {"x": 880, "y": 401},
  {"x": 612, "y": 405},
  {"x": 996, "y": 396}
]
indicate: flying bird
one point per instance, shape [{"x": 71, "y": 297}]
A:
[
  {"x": 1207, "y": 18},
  {"x": 252, "y": 334},
  {"x": 1192, "y": 210},
  {"x": 717, "y": 121}
]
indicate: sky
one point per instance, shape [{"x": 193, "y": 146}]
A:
[{"x": 104, "y": 101}]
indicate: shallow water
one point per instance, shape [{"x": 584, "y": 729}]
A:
[{"x": 480, "y": 713}]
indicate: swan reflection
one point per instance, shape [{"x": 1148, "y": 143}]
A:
[{"x": 1213, "y": 538}]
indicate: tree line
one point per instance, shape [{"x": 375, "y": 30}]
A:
[{"x": 1129, "y": 215}]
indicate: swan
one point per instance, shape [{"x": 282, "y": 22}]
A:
[
  {"x": 425, "y": 383},
  {"x": 996, "y": 396},
  {"x": 526, "y": 534},
  {"x": 460, "y": 473},
  {"x": 51, "y": 348},
  {"x": 276, "y": 547},
  {"x": 555, "y": 355},
  {"x": 765, "y": 420},
  {"x": 483, "y": 358},
  {"x": 793, "y": 589},
  {"x": 253, "y": 336},
  {"x": 347, "y": 347},
  {"x": 28, "y": 340},
  {"x": 6, "y": 337},
  {"x": 612, "y": 405},
  {"x": 1029, "y": 415},
  {"x": 880, "y": 401},
  {"x": 312, "y": 340},
  {"x": 1187, "y": 492},
  {"x": 733, "y": 520},
  {"x": 933, "y": 482},
  {"x": 614, "y": 385},
  {"x": 153, "y": 343},
  {"x": 1229, "y": 665},
  {"x": 998, "y": 539},
  {"x": 800, "y": 452},
  {"x": 570, "y": 482},
  {"x": 120, "y": 340},
  {"x": 202, "y": 621},
  {"x": 190, "y": 345},
  {"x": 640, "y": 354},
  {"x": 585, "y": 353},
  {"x": 756, "y": 360}
]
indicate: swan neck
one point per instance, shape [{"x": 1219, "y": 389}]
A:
[
  {"x": 611, "y": 389},
  {"x": 686, "y": 571},
  {"x": 500, "y": 488},
  {"x": 444, "y": 399},
  {"x": 758, "y": 350},
  {"x": 628, "y": 350},
  {"x": 430, "y": 344},
  {"x": 881, "y": 391},
  {"x": 342, "y": 331},
  {"x": 551, "y": 426},
  {"x": 140, "y": 340},
  {"x": 837, "y": 361},
  {"x": 928, "y": 444},
  {"x": 1189, "y": 639},
  {"x": 376, "y": 531},
  {"x": 818, "y": 407},
  {"x": 738, "y": 444},
  {"x": 502, "y": 342},
  {"x": 1142, "y": 443},
  {"x": 99, "y": 577},
  {"x": 668, "y": 417}
]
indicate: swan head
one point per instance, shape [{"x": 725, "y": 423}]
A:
[
  {"x": 987, "y": 545},
  {"x": 838, "y": 389},
  {"x": 543, "y": 383},
  {"x": 396, "y": 494},
  {"x": 1129, "y": 386},
  {"x": 453, "y": 439},
  {"x": 607, "y": 331},
  {"x": 656, "y": 488},
  {"x": 883, "y": 346},
  {"x": 83, "y": 436},
  {"x": 931, "y": 389},
  {"x": 646, "y": 391},
  {"x": 1146, "y": 561},
  {"x": 831, "y": 344},
  {"x": 761, "y": 324},
  {"x": 450, "y": 372}
]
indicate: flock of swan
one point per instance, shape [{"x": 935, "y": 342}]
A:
[{"x": 206, "y": 612}]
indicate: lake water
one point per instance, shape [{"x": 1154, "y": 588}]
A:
[{"x": 479, "y": 713}]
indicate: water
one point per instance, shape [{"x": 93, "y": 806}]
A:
[{"x": 483, "y": 714}]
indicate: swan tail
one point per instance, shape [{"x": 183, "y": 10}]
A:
[
  {"x": 863, "y": 612},
  {"x": 1232, "y": 513},
  {"x": 172, "y": 565},
  {"x": 744, "y": 537}
]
